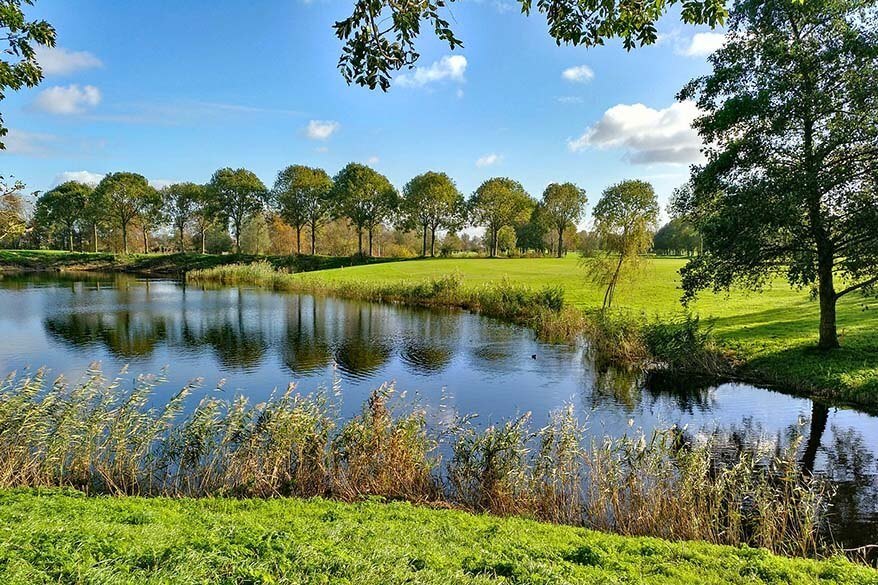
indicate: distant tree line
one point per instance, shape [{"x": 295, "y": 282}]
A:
[{"x": 236, "y": 211}]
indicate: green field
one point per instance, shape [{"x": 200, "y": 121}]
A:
[
  {"x": 65, "y": 537},
  {"x": 775, "y": 331}
]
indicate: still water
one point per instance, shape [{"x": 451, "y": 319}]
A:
[{"x": 253, "y": 341}]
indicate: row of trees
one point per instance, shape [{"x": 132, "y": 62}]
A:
[{"x": 307, "y": 198}]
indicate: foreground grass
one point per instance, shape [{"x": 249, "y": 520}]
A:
[
  {"x": 159, "y": 264},
  {"x": 52, "y": 536},
  {"x": 773, "y": 332}
]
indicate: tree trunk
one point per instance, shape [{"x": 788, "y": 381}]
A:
[
  {"x": 70, "y": 238},
  {"x": 313, "y": 239},
  {"x": 560, "y": 240},
  {"x": 182, "y": 245},
  {"x": 611, "y": 288},
  {"x": 145, "y": 241},
  {"x": 94, "y": 235},
  {"x": 237, "y": 238},
  {"x": 360, "y": 241},
  {"x": 204, "y": 241},
  {"x": 370, "y": 242},
  {"x": 828, "y": 329},
  {"x": 125, "y": 238},
  {"x": 433, "y": 243},
  {"x": 424, "y": 247},
  {"x": 298, "y": 239}
]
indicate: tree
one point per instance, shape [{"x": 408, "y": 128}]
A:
[
  {"x": 236, "y": 195},
  {"x": 791, "y": 123},
  {"x": 431, "y": 201},
  {"x": 373, "y": 49},
  {"x": 203, "y": 216},
  {"x": 94, "y": 214},
  {"x": 623, "y": 220},
  {"x": 678, "y": 235},
  {"x": 63, "y": 206},
  {"x": 122, "y": 196},
  {"x": 13, "y": 222},
  {"x": 21, "y": 36},
  {"x": 151, "y": 215},
  {"x": 181, "y": 201},
  {"x": 365, "y": 197},
  {"x": 302, "y": 196},
  {"x": 499, "y": 202},
  {"x": 563, "y": 205}
]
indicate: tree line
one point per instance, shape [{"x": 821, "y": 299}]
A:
[{"x": 74, "y": 215}]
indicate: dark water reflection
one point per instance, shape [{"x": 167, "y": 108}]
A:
[{"x": 455, "y": 362}]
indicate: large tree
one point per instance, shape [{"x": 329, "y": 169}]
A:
[
  {"x": 432, "y": 201},
  {"x": 624, "y": 220},
  {"x": 563, "y": 205},
  {"x": 18, "y": 60},
  {"x": 13, "y": 222},
  {"x": 122, "y": 196},
  {"x": 499, "y": 202},
  {"x": 237, "y": 195},
  {"x": 302, "y": 195},
  {"x": 791, "y": 127},
  {"x": 380, "y": 35},
  {"x": 181, "y": 200},
  {"x": 63, "y": 206},
  {"x": 365, "y": 197}
]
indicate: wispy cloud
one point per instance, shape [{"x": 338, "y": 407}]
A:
[
  {"x": 61, "y": 61},
  {"x": 645, "y": 134},
  {"x": 448, "y": 68},
  {"x": 86, "y": 177},
  {"x": 69, "y": 100},
  {"x": 578, "y": 74},
  {"x": 321, "y": 129},
  {"x": 489, "y": 160},
  {"x": 29, "y": 143}
]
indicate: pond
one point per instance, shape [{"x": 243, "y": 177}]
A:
[{"x": 454, "y": 362}]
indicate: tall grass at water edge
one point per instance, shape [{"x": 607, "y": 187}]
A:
[{"x": 98, "y": 437}]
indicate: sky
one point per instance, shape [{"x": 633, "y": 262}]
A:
[{"x": 176, "y": 90}]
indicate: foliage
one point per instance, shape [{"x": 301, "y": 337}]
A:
[
  {"x": 235, "y": 195},
  {"x": 63, "y": 206},
  {"x": 431, "y": 201},
  {"x": 13, "y": 222},
  {"x": 181, "y": 201},
  {"x": 302, "y": 195},
  {"x": 563, "y": 204},
  {"x": 624, "y": 219},
  {"x": 499, "y": 202},
  {"x": 791, "y": 121},
  {"x": 379, "y": 37},
  {"x": 365, "y": 197},
  {"x": 123, "y": 197},
  {"x": 678, "y": 235},
  {"x": 19, "y": 67}
]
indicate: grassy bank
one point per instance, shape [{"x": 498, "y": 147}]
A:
[
  {"x": 64, "y": 537},
  {"x": 772, "y": 333},
  {"x": 159, "y": 264}
]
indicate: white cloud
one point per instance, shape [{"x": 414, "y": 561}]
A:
[
  {"x": 449, "y": 67},
  {"x": 86, "y": 177},
  {"x": 488, "y": 160},
  {"x": 72, "y": 99},
  {"x": 579, "y": 74},
  {"x": 321, "y": 129},
  {"x": 647, "y": 135},
  {"x": 703, "y": 44},
  {"x": 160, "y": 183},
  {"x": 28, "y": 143},
  {"x": 61, "y": 61},
  {"x": 373, "y": 160}
]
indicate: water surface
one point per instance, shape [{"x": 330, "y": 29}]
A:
[{"x": 252, "y": 341}]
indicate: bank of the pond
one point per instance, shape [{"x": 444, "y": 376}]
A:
[
  {"x": 765, "y": 338},
  {"x": 16, "y": 261},
  {"x": 50, "y": 536}
]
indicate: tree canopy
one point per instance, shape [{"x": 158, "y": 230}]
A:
[
  {"x": 122, "y": 196},
  {"x": 63, "y": 206},
  {"x": 181, "y": 201},
  {"x": 18, "y": 65},
  {"x": 563, "y": 204},
  {"x": 499, "y": 202},
  {"x": 791, "y": 123},
  {"x": 365, "y": 197},
  {"x": 432, "y": 201},
  {"x": 302, "y": 195},
  {"x": 12, "y": 217},
  {"x": 236, "y": 195},
  {"x": 380, "y": 35}
]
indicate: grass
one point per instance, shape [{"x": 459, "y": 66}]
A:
[
  {"x": 51, "y": 536},
  {"x": 773, "y": 332},
  {"x": 159, "y": 264}
]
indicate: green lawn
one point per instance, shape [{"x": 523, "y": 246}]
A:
[
  {"x": 774, "y": 330},
  {"x": 57, "y": 537}
]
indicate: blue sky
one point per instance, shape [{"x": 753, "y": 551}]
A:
[{"x": 175, "y": 90}]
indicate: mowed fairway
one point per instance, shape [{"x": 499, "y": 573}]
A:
[{"x": 774, "y": 330}]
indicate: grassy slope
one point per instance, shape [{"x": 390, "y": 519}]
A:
[
  {"x": 774, "y": 330},
  {"x": 57, "y": 538},
  {"x": 160, "y": 264}
]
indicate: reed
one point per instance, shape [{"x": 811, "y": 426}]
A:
[{"x": 102, "y": 437}]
